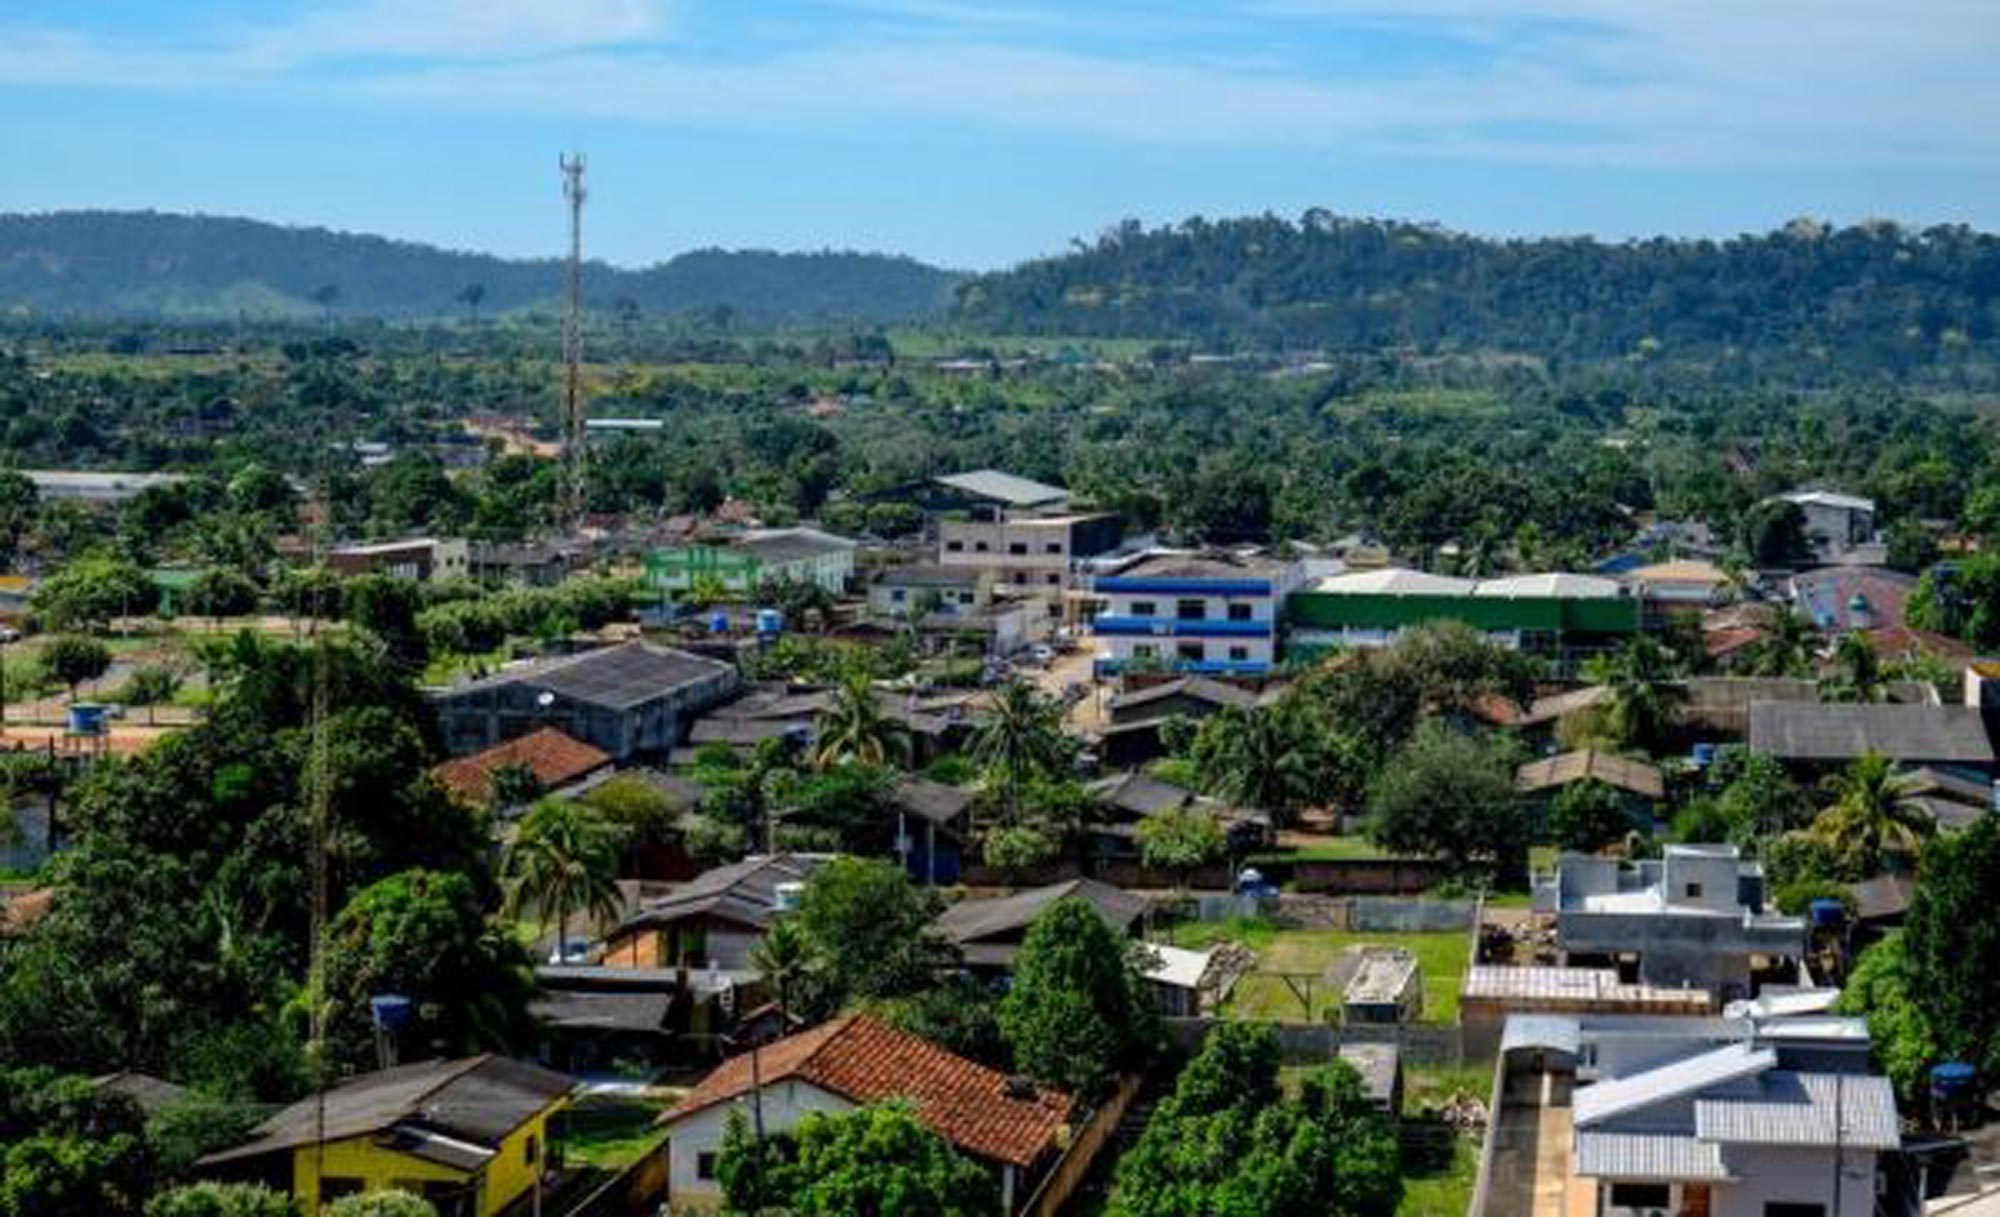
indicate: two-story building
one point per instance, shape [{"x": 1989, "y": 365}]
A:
[
  {"x": 741, "y": 563},
  {"x": 1215, "y": 614},
  {"x": 1693, "y": 918},
  {"x": 423, "y": 558},
  {"x": 1561, "y": 615},
  {"x": 1836, "y": 524}
]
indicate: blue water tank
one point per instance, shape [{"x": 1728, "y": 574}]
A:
[
  {"x": 770, "y": 621},
  {"x": 1704, "y": 755},
  {"x": 391, "y": 1011},
  {"x": 718, "y": 622},
  {"x": 1953, "y": 1081},
  {"x": 1827, "y": 914},
  {"x": 86, "y": 718}
]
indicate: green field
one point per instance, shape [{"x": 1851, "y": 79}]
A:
[
  {"x": 610, "y": 1134},
  {"x": 1265, "y": 995},
  {"x": 1443, "y": 1193}
]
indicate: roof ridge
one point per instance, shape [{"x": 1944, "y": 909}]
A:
[{"x": 466, "y": 1066}]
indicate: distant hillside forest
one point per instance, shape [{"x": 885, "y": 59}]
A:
[
  {"x": 147, "y": 264},
  {"x": 1869, "y": 299}
]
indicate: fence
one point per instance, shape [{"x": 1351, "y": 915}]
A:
[
  {"x": 1356, "y": 914},
  {"x": 1074, "y": 1166},
  {"x": 1424, "y": 1044},
  {"x": 636, "y": 1189}
]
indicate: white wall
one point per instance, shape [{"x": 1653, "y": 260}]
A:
[{"x": 785, "y": 1103}]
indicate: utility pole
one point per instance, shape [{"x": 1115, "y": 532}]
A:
[{"x": 573, "y": 494}]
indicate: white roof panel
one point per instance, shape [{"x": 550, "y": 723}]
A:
[
  {"x": 1634, "y": 1092},
  {"x": 1799, "y": 1109},
  {"x": 1663, "y": 1156},
  {"x": 1394, "y": 581}
]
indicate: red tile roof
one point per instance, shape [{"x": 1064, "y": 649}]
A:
[
  {"x": 867, "y": 1061},
  {"x": 553, "y": 757}
]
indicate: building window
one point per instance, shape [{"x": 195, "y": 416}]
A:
[
  {"x": 1142, "y": 608},
  {"x": 1239, "y": 612},
  {"x": 704, "y": 1166},
  {"x": 1053, "y": 547},
  {"x": 979, "y": 547},
  {"x": 1692, "y": 891},
  {"x": 1144, "y": 650},
  {"x": 1239, "y": 654},
  {"x": 1191, "y": 610},
  {"x": 898, "y": 595},
  {"x": 531, "y": 1150},
  {"x": 1017, "y": 547},
  {"x": 1641, "y": 1195},
  {"x": 1191, "y": 652},
  {"x": 1054, "y": 580},
  {"x": 954, "y": 547},
  {"x": 966, "y": 597},
  {"x": 1793, "y": 1208},
  {"x": 333, "y": 1187}
]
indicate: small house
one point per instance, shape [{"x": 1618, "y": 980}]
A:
[{"x": 1385, "y": 989}]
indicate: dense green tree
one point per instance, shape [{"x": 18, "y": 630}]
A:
[
  {"x": 876, "y": 1161},
  {"x": 869, "y": 927},
  {"x": 221, "y": 591},
  {"x": 1872, "y": 814},
  {"x": 856, "y": 729},
  {"x": 69, "y": 1150},
  {"x": 222, "y": 1200},
  {"x": 1774, "y": 534},
  {"x": 1181, "y": 841},
  {"x": 1883, "y": 988},
  {"x": 1642, "y": 680},
  {"x": 87, "y": 594},
  {"x": 1450, "y": 795},
  {"x": 1021, "y": 740},
  {"x": 1857, "y": 673},
  {"x": 1588, "y": 816},
  {"x": 391, "y": 1203},
  {"x": 72, "y": 660},
  {"x": 422, "y": 935},
  {"x": 1950, "y": 939},
  {"x": 1077, "y": 1012}
]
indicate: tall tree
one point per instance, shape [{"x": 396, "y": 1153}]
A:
[
  {"x": 1021, "y": 739},
  {"x": 563, "y": 861},
  {"x": 1643, "y": 680},
  {"x": 854, "y": 728},
  {"x": 1076, "y": 1012},
  {"x": 1873, "y": 813}
]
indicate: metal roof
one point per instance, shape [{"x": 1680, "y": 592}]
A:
[
  {"x": 1615, "y": 1097},
  {"x": 1004, "y": 488},
  {"x": 618, "y": 677},
  {"x": 1555, "y": 1032},
  {"x": 1811, "y": 732},
  {"x": 1665, "y": 1156},
  {"x": 744, "y": 892},
  {"x": 791, "y": 544},
  {"x": 1830, "y": 498},
  {"x": 972, "y": 920},
  {"x": 1394, "y": 581},
  {"x": 1586, "y": 764},
  {"x": 1799, "y": 1109},
  {"x": 1554, "y": 585}
]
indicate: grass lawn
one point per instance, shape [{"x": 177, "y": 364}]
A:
[
  {"x": 1443, "y": 1193},
  {"x": 610, "y": 1134},
  {"x": 1263, "y": 994}
]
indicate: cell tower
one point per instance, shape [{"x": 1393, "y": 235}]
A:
[{"x": 573, "y": 426}]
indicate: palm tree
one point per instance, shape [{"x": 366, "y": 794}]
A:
[
  {"x": 1022, "y": 738},
  {"x": 1643, "y": 691},
  {"x": 1857, "y": 673},
  {"x": 1256, "y": 757},
  {"x": 1787, "y": 648},
  {"x": 854, "y": 728},
  {"x": 1872, "y": 812},
  {"x": 563, "y": 860},
  {"x": 784, "y": 959}
]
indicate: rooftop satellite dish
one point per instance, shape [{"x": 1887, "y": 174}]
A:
[{"x": 545, "y": 699}]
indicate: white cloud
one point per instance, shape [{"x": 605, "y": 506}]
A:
[{"x": 460, "y": 29}]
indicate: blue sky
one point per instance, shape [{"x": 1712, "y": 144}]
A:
[{"x": 976, "y": 134}]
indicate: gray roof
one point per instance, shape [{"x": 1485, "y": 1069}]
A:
[
  {"x": 1605, "y": 1100},
  {"x": 618, "y": 677},
  {"x": 150, "y": 1093},
  {"x": 1141, "y": 794},
  {"x": 1649, "y": 1156},
  {"x": 1807, "y": 732},
  {"x": 477, "y": 1100},
  {"x": 1555, "y": 1032},
  {"x": 928, "y": 574},
  {"x": 791, "y": 544},
  {"x": 1200, "y": 688},
  {"x": 1944, "y": 784},
  {"x": 1798, "y": 1109},
  {"x": 1004, "y": 488},
  {"x": 971, "y": 921},
  {"x": 743, "y": 732},
  {"x": 744, "y": 892},
  {"x": 933, "y": 801},
  {"x": 1379, "y": 1065},
  {"x": 586, "y": 1010}
]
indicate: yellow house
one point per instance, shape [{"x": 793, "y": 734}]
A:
[{"x": 470, "y": 1136}]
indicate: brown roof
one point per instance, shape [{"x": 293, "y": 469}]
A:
[
  {"x": 1635, "y": 776},
  {"x": 19, "y": 913},
  {"x": 554, "y": 758},
  {"x": 867, "y": 1061}
]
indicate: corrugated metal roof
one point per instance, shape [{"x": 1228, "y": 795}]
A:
[
  {"x": 1554, "y": 585},
  {"x": 1798, "y": 1109},
  {"x": 1394, "y": 581},
  {"x": 1807, "y": 732},
  {"x": 1004, "y": 487},
  {"x": 1604, "y": 1100},
  {"x": 1551, "y": 1031},
  {"x": 1587, "y": 763},
  {"x": 1615, "y": 1155}
]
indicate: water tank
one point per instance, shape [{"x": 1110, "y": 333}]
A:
[
  {"x": 786, "y": 897},
  {"x": 1827, "y": 914},
  {"x": 1704, "y": 755},
  {"x": 86, "y": 718},
  {"x": 390, "y": 1011},
  {"x": 770, "y": 621},
  {"x": 718, "y": 622},
  {"x": 1953, "y": 1081},
  {"x": 1860, "y": 614}
]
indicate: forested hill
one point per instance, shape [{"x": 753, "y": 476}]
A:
[
  {"x": 1877, "y": 297},
  {"x": 152, "y": 264}
]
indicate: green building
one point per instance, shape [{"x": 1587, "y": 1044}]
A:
[
  {"x": 1562, "y": 616},
  {"x": 740, "y": 563}
]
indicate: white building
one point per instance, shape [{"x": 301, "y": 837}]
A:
[
  {"x": 1193, "y": 613},
  {"x": 1004, "y": 1125},
  {"x": 1835, "y": 523}
]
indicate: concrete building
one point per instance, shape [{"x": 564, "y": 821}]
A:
[
  {"x": 714, "y": 921},
  {"x": 1836, "y": 524},
  {"x": 422, "y": 558},
  {"x": 1686, "y": 1117},
  {"x": 91, "y": 486},
  {"x": 1037, "y": 552},
  {"x": 1686, "y": 585},
  {"x": 1010, "y": 1128},
  {"x": 1193, "y": 613},
  {"x": 1493, "y": 994},
  {"x": 1386, "y": 989},
  {"x": 632, "y": 701},
  {"x": 763, "y": 555},
  {"x": 1695, "y": 918},
  {"x": 1560, "y": 615}
]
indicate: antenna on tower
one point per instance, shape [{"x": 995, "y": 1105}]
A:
[{"x": 573, "y": 427}]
